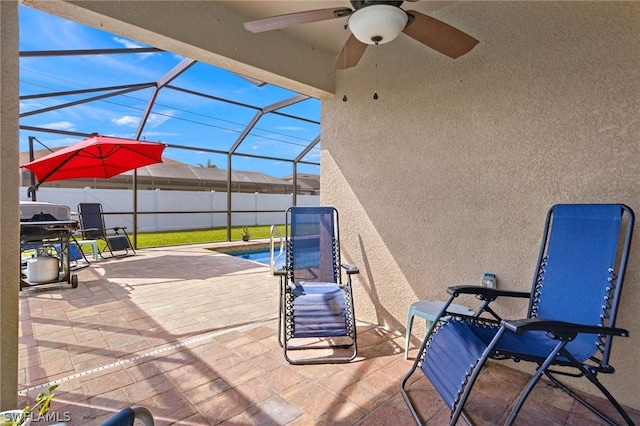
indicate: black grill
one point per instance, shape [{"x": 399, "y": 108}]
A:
[{"x": 40, "y": 228}]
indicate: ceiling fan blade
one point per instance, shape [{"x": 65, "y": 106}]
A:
[
  {"x": 282, "y": 21},
  {"x": 351, "y": 53},
  {"x": 439, "y": 36}
]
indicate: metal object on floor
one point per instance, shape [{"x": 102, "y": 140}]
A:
[
  {"x": 128, "y": 415},
  {"x": 429, "y": 310},
  {"x": 93, "y": 245},
  {"x": 45, "y": 233}
]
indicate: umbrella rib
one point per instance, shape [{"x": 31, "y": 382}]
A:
[
  {"x": 57, "y": 168},
  {"x": 102, "y": 156},
  {"x": 140, "y": 153}
]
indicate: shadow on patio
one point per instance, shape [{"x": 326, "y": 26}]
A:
[{"x": 192, "y": 335}]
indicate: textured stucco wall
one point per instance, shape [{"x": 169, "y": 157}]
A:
[
  {"x": 9, "y": 213},
  {"x": 450, "y": 173}
]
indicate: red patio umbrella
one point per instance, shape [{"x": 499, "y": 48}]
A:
[{"x": 96, "y": 157}]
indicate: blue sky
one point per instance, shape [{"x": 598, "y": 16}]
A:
[{"x": 177, "y": 118}]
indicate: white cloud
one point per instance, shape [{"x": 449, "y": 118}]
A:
[
  {"x": 152, "y": 133},
  {"x": 155, "y": 120},
  {"x": 31, "y": 105},
  {"x": 129, "y": 44},
  {"x": 60, "y": 125},
  {"x": 289, "y": 128},
  {"x": 255, "y": 147},
  {"x": 127, "y": 120}
]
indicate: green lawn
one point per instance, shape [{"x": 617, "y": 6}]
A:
[{"x": 195, "y": 236}]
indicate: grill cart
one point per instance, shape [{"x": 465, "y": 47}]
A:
[{"x": 45, "y": 234}]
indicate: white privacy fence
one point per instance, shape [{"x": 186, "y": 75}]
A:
[{"x": 175, "y": 210}]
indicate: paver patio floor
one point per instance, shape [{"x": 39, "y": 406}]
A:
[{"x": 192, "y": 335}]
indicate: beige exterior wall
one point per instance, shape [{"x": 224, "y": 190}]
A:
[
  {"x": 9, "y": 213},
  {"x": 450, "y": 173}
]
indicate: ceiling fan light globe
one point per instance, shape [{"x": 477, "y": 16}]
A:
[{"x": 377, "y": 23}]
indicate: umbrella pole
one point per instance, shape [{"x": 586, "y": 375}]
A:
[
  {"x": 135, "y": 209},
  {"x": 32, "y": 189}
]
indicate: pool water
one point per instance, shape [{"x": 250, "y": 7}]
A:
[{"x": 260, "y": 256}]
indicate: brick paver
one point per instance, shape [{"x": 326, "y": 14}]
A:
[{"x": 192, "y": 335}]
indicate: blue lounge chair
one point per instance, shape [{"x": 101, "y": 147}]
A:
[
  {"x": 316, "y": 307},
  {"x": 128, "y": 415},
  {"x": 570, "y": 322}
]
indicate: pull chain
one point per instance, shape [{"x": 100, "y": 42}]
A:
[
  {"x": 344, "y": 98},
  {"x": 375, "y": 76}
]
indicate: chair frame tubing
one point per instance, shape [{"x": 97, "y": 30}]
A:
[
  {"x": 124, "y": 234},
  {"x": 119, "y": 231},
  {"x": 285, "y": 275},
  {"x": 559, "y": 351}
]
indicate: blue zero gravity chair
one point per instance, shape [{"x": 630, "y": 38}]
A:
[
  {"x": 316, "y": 308},
  {"x": 569, "y": 325},
  {"x": 128, "y": 416}
]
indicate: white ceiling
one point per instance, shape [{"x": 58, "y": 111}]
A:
[{"x": 326, "y": 35}]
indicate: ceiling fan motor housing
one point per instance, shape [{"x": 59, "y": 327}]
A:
[
  {"x": 377, "y": 23},
  {"x": 359, "y": 4}
]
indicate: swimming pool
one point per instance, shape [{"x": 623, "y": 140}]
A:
[{"x": 260, "y": 256}]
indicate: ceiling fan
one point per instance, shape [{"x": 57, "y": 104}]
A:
[{"x": 376, "y": 22}]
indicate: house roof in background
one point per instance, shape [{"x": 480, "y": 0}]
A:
[{"x": 178, "y": 171}]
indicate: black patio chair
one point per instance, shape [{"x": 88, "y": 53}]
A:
[
  {"x": 570, "y": 323},
  {"x": 92, "y": 227}
]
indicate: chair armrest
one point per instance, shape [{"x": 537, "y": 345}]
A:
[
  {"x": 281, "y": 272},
  {"x": 350, "y": 269},
  {"x": 83, "y": 231},
  {"x": 87, "y": 229},
  {"x": 118, "y": 228},
  {"x": 486, "y": 293},
  {"x": 560, "y": 328}
]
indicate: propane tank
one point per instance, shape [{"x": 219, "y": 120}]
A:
[{"x": 42, "y": 269}]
